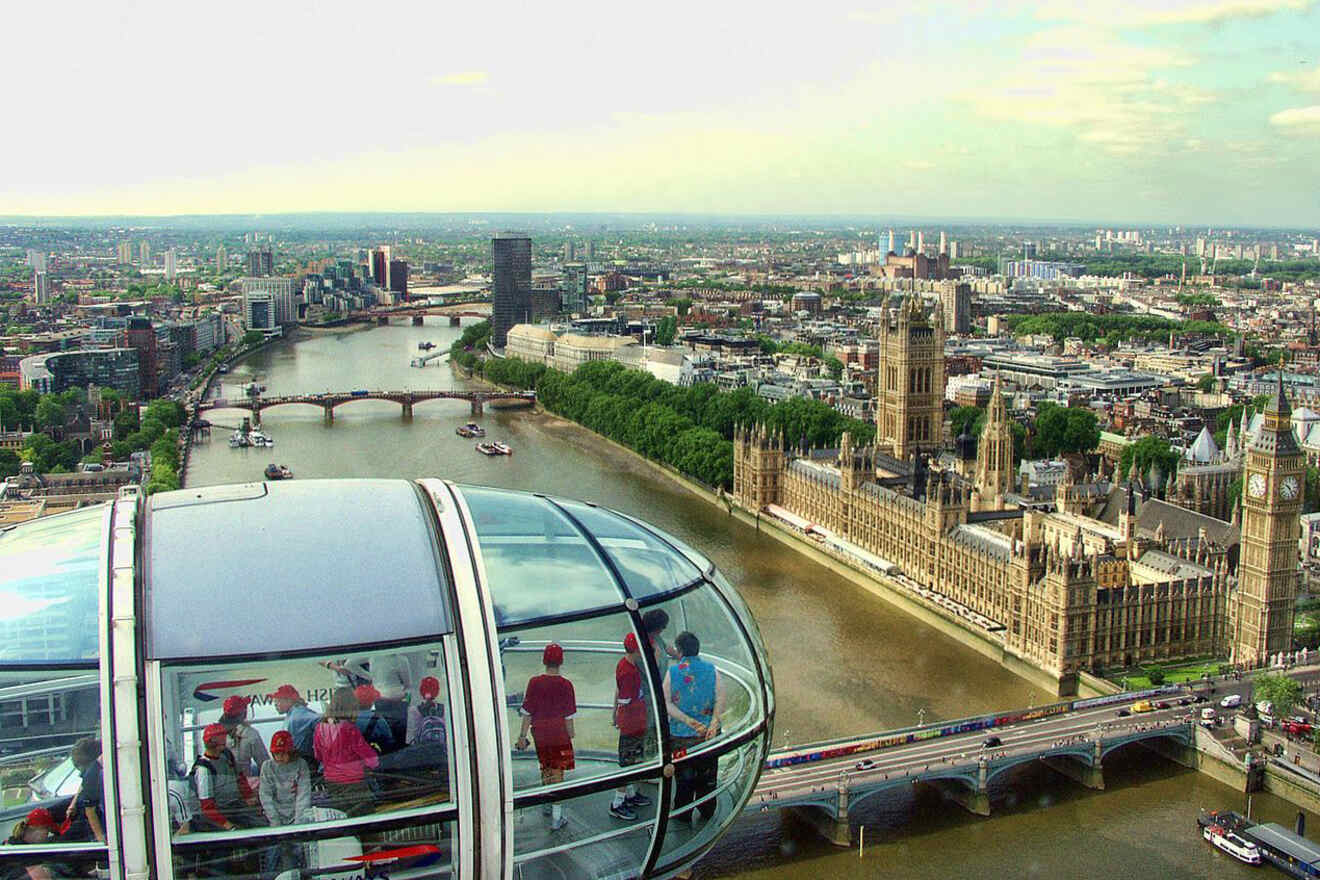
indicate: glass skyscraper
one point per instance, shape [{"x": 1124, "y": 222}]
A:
[{"x": 511, "y": 301}]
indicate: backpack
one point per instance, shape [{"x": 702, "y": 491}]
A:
[{"x": 431, "y": 725}]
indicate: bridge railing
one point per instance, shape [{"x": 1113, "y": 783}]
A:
[{"x": 838, "y": 748}]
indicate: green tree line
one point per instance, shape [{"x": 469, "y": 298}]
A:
[
  {"x": 688, "y": 428},
  {"x": 1109, "y": 329}
]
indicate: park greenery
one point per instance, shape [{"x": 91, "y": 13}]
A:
[
  {"x": 688, "y": 428},
  {"x": 154, "y": 428},
  {"x": 1110, "y": 329},
  {"x": 1283, "y": 691},
  {"x": 1057, "y": 430}
]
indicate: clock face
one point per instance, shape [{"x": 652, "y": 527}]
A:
[
  {"x": 1288, "y": 488},
  {"x": 1256, "y": 486}
]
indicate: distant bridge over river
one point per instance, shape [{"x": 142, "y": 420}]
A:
[
  {"x": 330, "y": 400},
  {"x": 823, "y": 781}
]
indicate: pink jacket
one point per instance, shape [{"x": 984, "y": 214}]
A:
[{"x": 342, "y": 751}]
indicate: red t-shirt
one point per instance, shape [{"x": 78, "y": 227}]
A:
[
  {"x": 630, "y": 708},
  {"x": 549, "y": 700}
]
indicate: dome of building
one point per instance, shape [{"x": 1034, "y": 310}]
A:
[{"x": 466, "y": 682}]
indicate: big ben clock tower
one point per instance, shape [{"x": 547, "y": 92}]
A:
[{"x": 1260, "y": 618}]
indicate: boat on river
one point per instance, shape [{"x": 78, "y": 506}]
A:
[
  {"x": 1236, "y": 846},
  {"x": 237, "y": 440},
  {"x": 471, "y": 429},
  {"x": 257, "y": 438},
  {"x": 494, "y": 448},
  {"x": 278, "y": 472},
  {"x": 425, "y": 346}
]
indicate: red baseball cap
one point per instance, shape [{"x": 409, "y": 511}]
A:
[
  {"x": 236, "y": 707},
  {"x": 553, "y": 655},
  {"x": 429, "y": 687},
  {"x": 630, "y": 643},
  {"x": 281, "y": 742},
  {"x": 214, "y": 732},
  {"x": 286, "y": 692},
  {"x": 366, "y": 695},
  {"x": 41, "y": 818}
]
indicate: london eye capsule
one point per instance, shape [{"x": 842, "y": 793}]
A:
[{"x": 348, "y": 678}]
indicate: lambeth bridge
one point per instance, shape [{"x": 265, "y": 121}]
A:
[
  {"x": 329, "y": 400},
  {"x": 821, "y": 781}
]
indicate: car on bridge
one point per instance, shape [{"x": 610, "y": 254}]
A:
[
  {"x": 1297, "y": 727},
  {"x": 1143, "y": 706},
  {"x": 866, "y": 764},
  {"x": 1232, "y": 701},
  {"x": 991, "y": 741}
]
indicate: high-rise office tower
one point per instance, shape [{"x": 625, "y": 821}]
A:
[
  {"x": 953, "y": 250},
  {"x": 260, "y": 263},
  {"x": 891, "y": 250},
  {"x": 140, "y": 335},
  {"x": 144, "y": 254},
  {"x": 591, "y": 251},
  {"x": 221, "y": 258},
  {"x": 511, "y": 287},
  {"x": 944, "y": 245},
  {"x": 125, "y": 253},
  {"x": 40, "y": 288},
  {"x": 380, "y": 266},
  {"x": 171, "y": 268},
  {"x": 569, "y": 251},
  {"x": 921, "y": 241},
  {"x": 398, "y": 277}
]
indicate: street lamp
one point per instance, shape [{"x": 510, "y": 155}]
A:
[{"x": 921, "y": 717}]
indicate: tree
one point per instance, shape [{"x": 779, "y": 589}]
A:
[
  {"x": 665, "y": 330},
  {"x": 1064, "y": 429},
  {"x": 683, "y": 304},
  {"x": 252, "y": 337},
  {"x": 50, "y": 412},
  {"x": 1156, "y": 676},
  {"x": 1146, "y": 452},
  {"x": 835, "y": 366},
  {"x": 9, "y": 463},
  {"x": 966, "y": 420},
  {"x": 1206, "y": 383},
  {"x": 1284, "y": 692}
]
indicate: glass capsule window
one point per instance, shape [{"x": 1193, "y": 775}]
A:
[
  {"x": 347, "y": 740},
  {"x": 55, "y": 799}
]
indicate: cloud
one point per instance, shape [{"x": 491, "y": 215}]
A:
[
  {"x": 919, "y": 165},
  {"x": 1302, "y": 80},
  {"x": 1109, "y": 94},
  {"x": 1298, "y": 118},
  {"x": 1134, "y": 13},
  {"x": 465, "y": 78}
]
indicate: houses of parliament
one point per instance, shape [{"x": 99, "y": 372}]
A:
[{"x": 1104, "y": 576}]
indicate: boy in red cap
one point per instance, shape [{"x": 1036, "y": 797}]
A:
[
  {"x": 630, "y": 716},
  {"x": 426, "y": 720},
  {"x": 286, "y": 798},
  {"x": 222, "y": 790},
  {"x": 244, "y": 741},
  {"x": 548, "y": 707},
  {"x": 375, "y": 730}
]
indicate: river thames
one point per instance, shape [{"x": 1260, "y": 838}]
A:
[{"x": 844, "y": 661}]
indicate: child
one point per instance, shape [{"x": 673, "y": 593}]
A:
[
  {"x": 286, "y": 796},
  {"x": 548, "y": 707}
]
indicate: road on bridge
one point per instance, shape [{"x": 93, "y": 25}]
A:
[{"x": 916, "y": 759}]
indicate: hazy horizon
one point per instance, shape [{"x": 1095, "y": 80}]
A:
[{"x": 1164, "y": 113}]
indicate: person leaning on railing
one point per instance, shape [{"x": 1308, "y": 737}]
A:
[{"x": 694, "y": 701}]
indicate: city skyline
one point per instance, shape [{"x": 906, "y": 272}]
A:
[{"x": 1195, "y": 111}]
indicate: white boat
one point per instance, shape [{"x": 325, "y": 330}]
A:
[
  {"x": 237, "y": 440},
  {"x": 1239, "y": 848},
  {"x": 502, "y": 448},
  {"x": 256, "y": 438},
  {"x": 493, "y": 448}
]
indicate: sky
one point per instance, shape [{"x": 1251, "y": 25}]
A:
[{"x": 1162, "y": 111}]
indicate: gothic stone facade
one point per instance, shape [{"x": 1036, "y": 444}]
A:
[{"x": 1071, "y": 593}]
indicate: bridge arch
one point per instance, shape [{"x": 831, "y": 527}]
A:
[
  {"x": 1180, "y": 735},
  {"x": 862, "y": 790}
]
